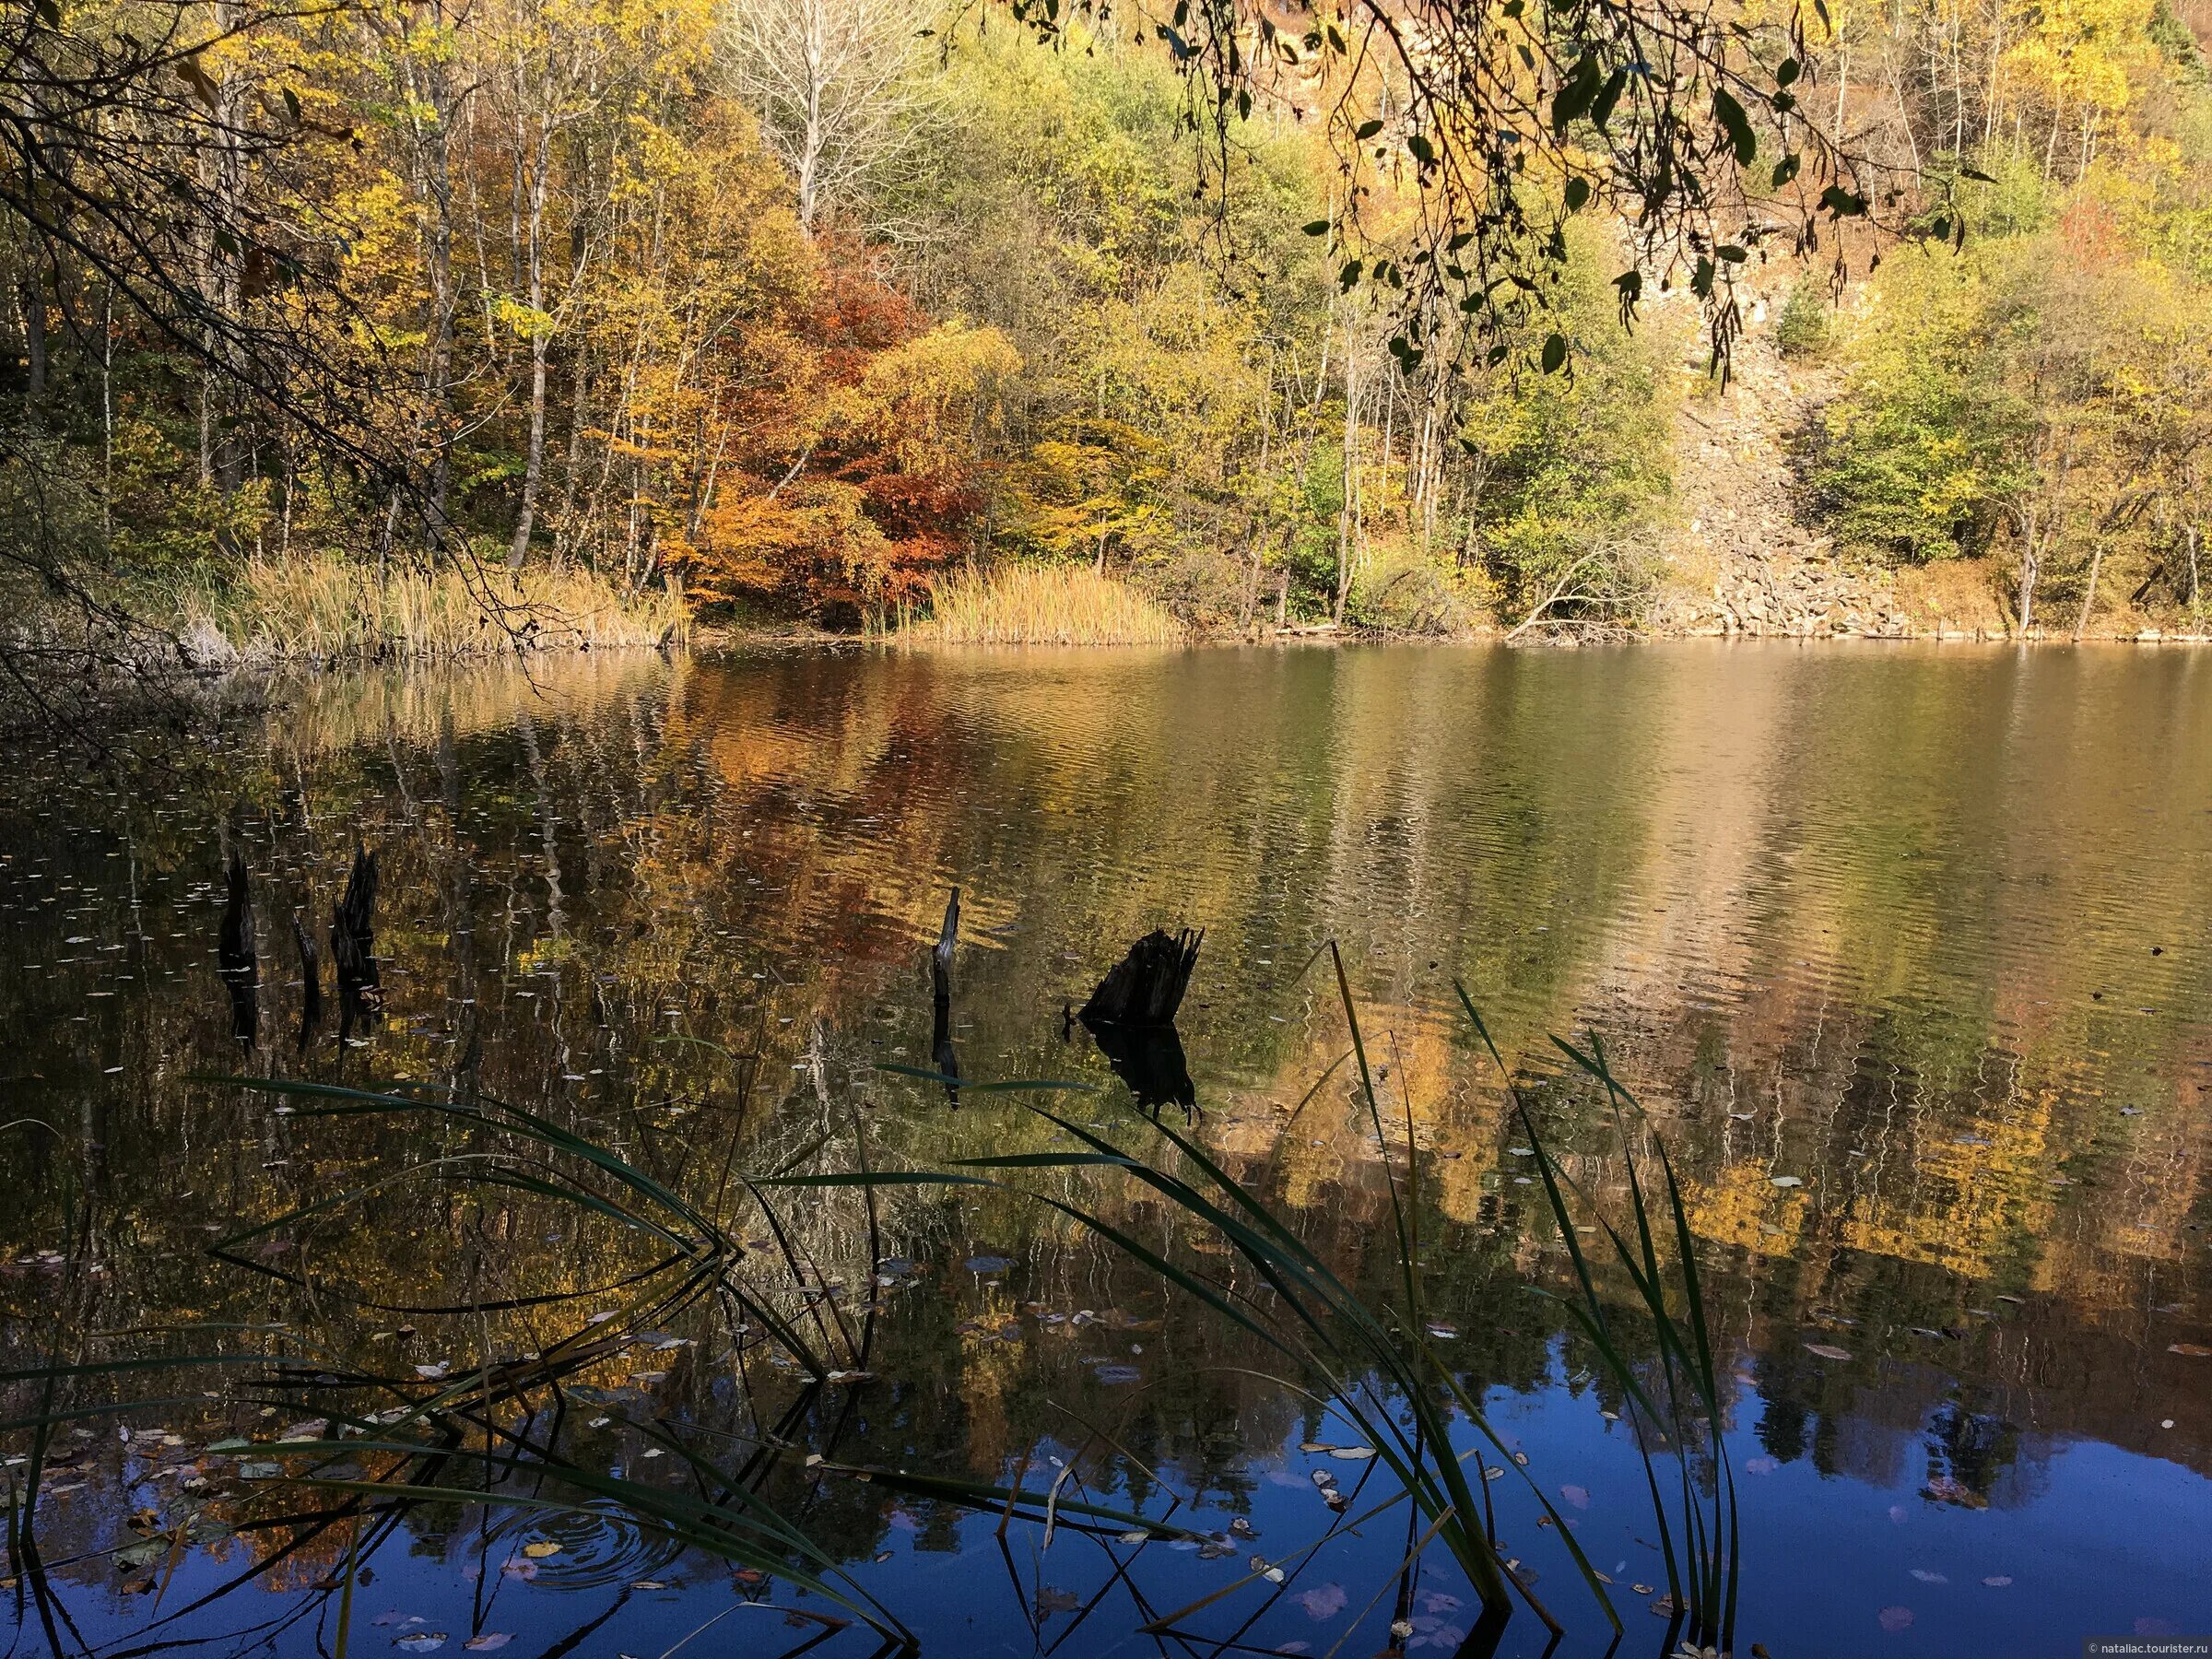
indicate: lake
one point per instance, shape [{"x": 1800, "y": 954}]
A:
[{"x": 1903, "y": 950}]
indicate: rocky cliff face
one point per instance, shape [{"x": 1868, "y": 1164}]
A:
[
  {"x": 1743, "y": 553},
  {"x": 1740, "y": 558}
]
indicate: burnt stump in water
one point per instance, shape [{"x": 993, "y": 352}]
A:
[{"x": 1146, "y": 987}]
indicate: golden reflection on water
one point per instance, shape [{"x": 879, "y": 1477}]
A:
[{"x": 1922, "y": 931}]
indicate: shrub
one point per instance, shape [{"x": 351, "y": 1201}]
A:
[{"x": 1806, "y": 325}]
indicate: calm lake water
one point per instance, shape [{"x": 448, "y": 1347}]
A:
[{"x": 1905, "y": 950}]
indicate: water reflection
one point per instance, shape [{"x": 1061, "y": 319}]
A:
[{"x": 1905, "y": 950}]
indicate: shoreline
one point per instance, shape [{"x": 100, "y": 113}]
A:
[{"x": 707, "y": 640}]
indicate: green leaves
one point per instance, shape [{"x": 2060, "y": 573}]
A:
[
  {"x": 1422, "y": 151},
  {"x": 1731, "y": 116},
  {"x": 1786, "y": 168},
  {"x": 1577, "y": 93},
  {"x": 1577, "y": 192},
  {"x": 1348, "y": 277},
  {"x": 1842, "y": 202},
  {"x": 1555, "y": 353},
  {"x": 1629, "y": 286},
  {"x": 1601, "y": 112},
  {"x": 1318, "y": 228},
  {"x": 1367, "y": 129}
]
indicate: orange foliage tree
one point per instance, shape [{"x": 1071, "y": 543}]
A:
[{"x": 851, "y": 471}]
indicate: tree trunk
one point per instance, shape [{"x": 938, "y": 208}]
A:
[
  {"x": 1351, "y": 481},
  {"x": 438, "y": 372},
  {"x": 1843, "y": 91},
  {"x": 2081, "y": 622},
  {"x": 32, "y": 296},
  {"x": 534, "y": 456},
  {"x": 816, "y": 26},
  {"x": 107, "y": 415}
]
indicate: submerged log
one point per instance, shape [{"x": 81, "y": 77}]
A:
[
  {"x": 235, "y": 957},
  {"x": 234, "y": 951},
  {"x": 353, "y": 942},
  {"x": 311, "y": 977},
  {"x": 941, "y": 1053},
  {"x": 1146, "y": 987}
]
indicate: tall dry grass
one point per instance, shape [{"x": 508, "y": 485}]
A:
[
  {"x": 1041, "y": 605},
  {"x": 337, "y": 609}
]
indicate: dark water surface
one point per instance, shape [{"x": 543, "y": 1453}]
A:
[{"x": 1906, "y": 950}]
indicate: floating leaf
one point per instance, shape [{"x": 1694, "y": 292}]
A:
[
  {"x": 488, "y": 1641},
  {"x": 1324, "y": 1603},
  {"x": 537, "y": 1549},
  {"x": 1827, "y": 1352}
]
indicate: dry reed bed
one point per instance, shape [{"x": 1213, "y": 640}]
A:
[
  {"x": 1041, "y": 605},
  {"x": 337, "y": 610}
]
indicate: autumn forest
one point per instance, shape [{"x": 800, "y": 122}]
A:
[
  {"x": 343, "y": 329},
  {"x": 876, "y": 828}
]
